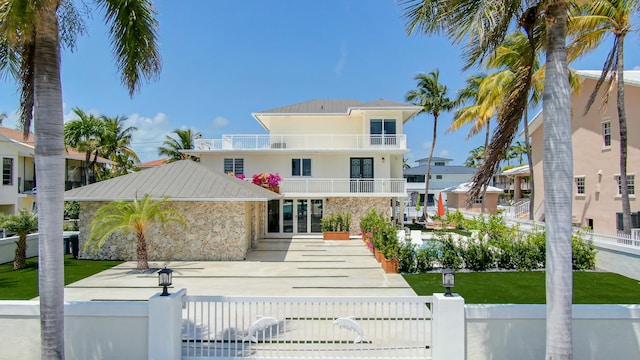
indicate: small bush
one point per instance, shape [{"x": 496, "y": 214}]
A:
[
  {"x": 407, "y": 257},
  {"x": 336, "y": 222},
  {"x": 583, "y": 254},
  {"x": 448, "y": 252},
  {"x": 425, "y": 259},
  {"x": 477, "y": 255}
]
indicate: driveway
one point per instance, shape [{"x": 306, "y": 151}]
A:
[{"x": 301, "y": 266}]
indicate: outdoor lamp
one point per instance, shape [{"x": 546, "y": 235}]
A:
[
  {"x": 448, "y": 280},
  {"x": 164, "y": 279}
]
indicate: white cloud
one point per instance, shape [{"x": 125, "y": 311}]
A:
[
  {"x": 220, "y": 122},
  {"x": 342, "y": 61},
  {"x": 426, "y": 145},
  {"x": 444, "y": 153},
  {"x": 636, "y": 67},
  {"x": 150, "y": 134}
]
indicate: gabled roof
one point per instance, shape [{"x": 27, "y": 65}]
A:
[
  {"x": 465, "y": 187},
  {"x": 519, "y": 170},
  {"x": 339, "y": 107},
  {"x": 27, "y": 147},
  {"x": 183, "y": 180}
]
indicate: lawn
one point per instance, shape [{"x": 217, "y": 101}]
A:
[
  {"x": 529, "y": 287},
  {"x": 23, "y": 284}
]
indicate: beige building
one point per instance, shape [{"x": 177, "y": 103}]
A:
[{"x": 596, "y": 155}]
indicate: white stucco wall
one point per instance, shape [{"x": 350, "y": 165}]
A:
[{"x": 8, "y": 247}]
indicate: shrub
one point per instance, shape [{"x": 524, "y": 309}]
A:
[
  {"x": 583, "y": 253},
  {"x": 71, "y": 209},
  {"x": 477, "y": 255},
  {"x": 336, "y": 222},
  {"x": 407, "y": 258},
  {"x": 425, "y": 259},
  {"x": 448, "y": 253}
]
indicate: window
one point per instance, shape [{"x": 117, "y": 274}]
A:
[
  {"x": 630, "y": 184},
  {"x": 606, "y": 133},
  {"x": 580, "y": 189},
  {"x": 439, "y": 163},
  {"x": 383, "y": 129},
  {"x": 438, "y": 177},
  {"x": 300, "y": 167},
  {"x": 235, "y": 166},
  {"x": 7, "y": 171},
  {"x": 478, "y": 200}
]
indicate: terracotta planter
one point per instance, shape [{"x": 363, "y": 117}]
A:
[
  {"x": 275, "y": 189},
  {"x": 335, "y": 235},
  {"x": 378, "y": 255},
  {"x": 390, "y": 266}
]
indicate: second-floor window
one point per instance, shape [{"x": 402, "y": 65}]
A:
[
  {"x": 438, "y": 177},
  {"x": 580, "y": 182},
  {"x": 383, "y": 131},
  {"x": 7, "y": 171},
  {"x": 300, "y": 167},
  {"x": 606, "y": 133},
  {"x": 235, "y": 166},
  {"x": 631, "y": 189},
  {"x": 439, "y": 163}
]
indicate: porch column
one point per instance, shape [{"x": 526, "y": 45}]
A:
[
  {"x": 165, "y": 326},
  {"x": 448, "y": 332}
]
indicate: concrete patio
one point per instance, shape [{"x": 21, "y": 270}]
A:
[{"x": 301, "y": 266}]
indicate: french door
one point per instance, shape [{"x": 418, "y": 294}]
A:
[
  {"x": 294, "y": 216},
  {"x": 361, "y": 174}
]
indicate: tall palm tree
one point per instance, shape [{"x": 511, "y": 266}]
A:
[
  {"x": 172, "y": 146},
  {"x": 137, "y": 216},
  {"x": 593, "y": 21},
  {"x": 22, "y": 225},
  {"x": 483, "y": 25},
  {"x": 2, "y": 117},
  {"x": 115, "y": 144},
  {"x": 475, "y": 157},
  {"x": 31, "y": 34},
  {"x": 431, "y": 96},
  {"x": 83, "y": 134}
]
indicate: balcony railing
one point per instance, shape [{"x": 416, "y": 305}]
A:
[
  {"x": 345, "y": 187},
  {"x": 302, "y": 142},
  {"x": 433, "y": 185}
]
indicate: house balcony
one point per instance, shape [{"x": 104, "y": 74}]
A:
[
  {"x": 302, "y": 142},
  {"x": 343, "y": 187}
]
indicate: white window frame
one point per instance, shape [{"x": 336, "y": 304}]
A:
[
  {"x": 7, "y": 166},
  {"x": 631, "y": 178},
  {"x": 237, "y": 166},
  {"x": 606, "y": 133},
  {"x": 581, "y": 189}
]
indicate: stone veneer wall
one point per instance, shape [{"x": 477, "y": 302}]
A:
[
  {"x": 215, "y": 231},
  {"x": 358, "y": 207}
]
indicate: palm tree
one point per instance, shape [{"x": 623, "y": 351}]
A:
[
  {"x": 432, "y": 97},
  {"x": 475, "y": 157},
  {"x": 83, "y": 134},
  {"x": 31, "y": 36},
  {"x": 173, "y": 146},
  {"x": 2, "y": 117},
  {"x": 593, "y": 21},
  {"x": 137, "y": 216},
  {"x": 405, "y": 163},
  {"x": 22, "y": 224},
  {"x": 483, "y": 25},
  {"x": 115, "y": 144}
]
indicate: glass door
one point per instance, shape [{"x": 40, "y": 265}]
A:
[
  {"x": 287, "y": 216},
  {"x": 302, "y": 215},
  {"x": 361, "y": 175},
  {"x": 294, "y": 216}
]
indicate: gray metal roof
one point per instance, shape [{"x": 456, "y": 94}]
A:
[
  {"x": 334, "y": 106},
  {"x": 439, "y": 170},
  {"x": 183, "y": 180}
]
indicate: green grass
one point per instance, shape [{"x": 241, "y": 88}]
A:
[
  {"x": 23, "y": 284},
  {"x": 529, "y": 287}
]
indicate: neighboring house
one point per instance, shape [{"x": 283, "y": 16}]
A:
[
  {"x": 596, "y": 155},
  {"x": 515, "y": 182},
  {"x": 152, "y": 163},
  {"x": 333, "y": 156},
  {"x": 224, "y": 215},
  {"x": 18, "y": 189},
  {"x": 457, "y": 198},
  {"x": 442, "y": 175}
]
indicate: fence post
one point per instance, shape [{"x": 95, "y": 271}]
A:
[
  {"x": 448, "y": 328},
  {"x": 165, "y": 326}
]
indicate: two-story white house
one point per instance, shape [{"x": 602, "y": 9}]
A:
[
  {"x": 333, "y": 156},
  {"x": 443, "y": 175}
]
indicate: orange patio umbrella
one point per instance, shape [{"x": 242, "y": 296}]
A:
[{"x": 440, "y": 206}]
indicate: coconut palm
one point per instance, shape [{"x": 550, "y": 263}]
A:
[
  {"x": 475, "y": 157},
  {"x": 22, "y": 225},
  {"x": 115, "y": 144},
  {"x": 2, "y": 117},
  {"x": 31, "y": 34},
  {"x": 137, "y": 216},
  {"x": 173, "y": 146},
  {"x": 83, "y": 135},
  {"x": 431, "y": 96},
  {"x": 592, "y": 22},
  {"x": 483, "y": 25}
]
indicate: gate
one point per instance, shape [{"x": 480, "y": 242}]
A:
[{"x": 306, "y": 327}]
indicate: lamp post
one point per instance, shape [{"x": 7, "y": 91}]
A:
[
  {"x": 448, "y": 280},
  {"x": 164, "y": 280}
]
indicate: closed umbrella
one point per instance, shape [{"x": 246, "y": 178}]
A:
[{"x": 440, "y": 206}]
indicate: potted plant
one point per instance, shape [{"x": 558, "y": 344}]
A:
[
  {"x": 336, "y": 226},
  {"x": 389, "y": 248},
  {"x": 268, "y": 181}
]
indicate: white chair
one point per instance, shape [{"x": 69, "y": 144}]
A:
[
  {"x": 416, "y": 237},
  {"x": 401, "y": 236}
]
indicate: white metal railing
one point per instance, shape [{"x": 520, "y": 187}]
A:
[
  {"x": 619, "y": 238},
  {"x": 433, "y": 185},
  {"x": 309, "y": 327},
  {"x": 346, "y": 187},
  {"x": 519, "y": 210},
  {"x": 303, "y": 142}
]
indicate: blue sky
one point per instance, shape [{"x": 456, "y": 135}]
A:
[{"x": 224, "y": 59}]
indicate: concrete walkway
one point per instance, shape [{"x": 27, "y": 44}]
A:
[{"x": 276, "y": 267}]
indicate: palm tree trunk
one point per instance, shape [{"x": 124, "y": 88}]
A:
[
  {"x": 428, "y": 174},
  {"x": 622, "y": 119},
  {"x": 20, "y": 260},
  {"x": 49, "y": 161},
  {"x": 558, "y": 183},
  {"x": 530, "y": 163},
  {"x": 141, "y": 250}
]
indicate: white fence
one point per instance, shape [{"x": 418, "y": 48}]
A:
[
  {"x": 310, "y": 327},
  {"x": 302, "y": 142},
  {"x": 346, "y": 187}
]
